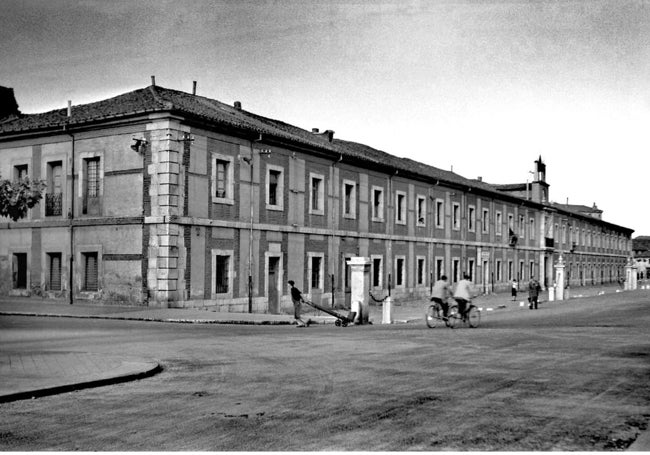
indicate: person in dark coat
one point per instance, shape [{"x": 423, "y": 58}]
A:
[
  {"x": 533, "y": 293},
  {"x": 296, "y": 298}
]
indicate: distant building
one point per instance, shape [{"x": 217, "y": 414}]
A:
[
  {"x": 166, "y": 198},
  {"x": 641, "y": 250}
]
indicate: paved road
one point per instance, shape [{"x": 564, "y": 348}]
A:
[{"x": 93, "y": 342}]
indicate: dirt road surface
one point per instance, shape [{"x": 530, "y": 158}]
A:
[{"x": 573, "y": 376}]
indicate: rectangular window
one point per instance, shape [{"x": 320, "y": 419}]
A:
[
  {"x": 274, "y": 188},
  {"x": 531, "y": 269},
  {"x": 486, "y": 221},
  {"x": 316, "y": 272},
  {"x": 521, "y": 276},
  {"x": 20, "y": 171},
  {"x": 511, "y": 224},
  {"x": 377, "y": 204},
  {"x": 471, "y": 268},
  {"x": 498, "y": 221},
  {"x": 499, "y": 272},
  {"x": 440, "y": 268},
  {"x": 91, "y": 186},
  {"x": 377, "y": 271},
  {"x": 522, "y": 227},
  {"x": 54, "y": 195},
  {"x": 349, "y": 199},
  {"x": 223, "y": 187},
  {"x": 317, "y": 194},
  {"x": 400, "y": 207},
  {"x": 509, "y": 270},
  {"x": 421, "y": 271},
  {"x": 399, "y": 271},
  {"x": 221, "y": 180},
  {"x": 455, "y": 216},
  {"x": 222, "y": 274},
  {"x": 531, "y": 233},
  {"x": 421, "y": 208},
  {"x": 19, "y": 271},
  {"x": 455, "y": 270},
  {"x": 440, "y": 213},
  {"x": 90, "y": 269},
  {"x": 471, "y": 218},
  {"x": 54, "y": 271}
]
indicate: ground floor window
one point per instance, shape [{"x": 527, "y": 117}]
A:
[
  {"x": 54, "y": 271},
  {"x": 90, "y": 268},
  {"x": 222, "y": 275},
  {"x": 376, "y": 272},
  {"x": 440, "y": 268},
  {"x": 315, "y": 270},
  {"x": 421, "y": 269},
  {"x": 399, "y": 271},
  {"x": 19, "y": 271}
]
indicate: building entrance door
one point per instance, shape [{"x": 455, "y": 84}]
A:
[{"x": 273, "y": 280}]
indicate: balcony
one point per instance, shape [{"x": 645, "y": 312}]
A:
[{"x": 53, "y": 204}]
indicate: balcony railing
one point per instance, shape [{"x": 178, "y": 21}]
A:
[{"x": 53, "y": 204}]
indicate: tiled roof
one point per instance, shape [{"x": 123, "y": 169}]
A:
[
  {"x": 159, "y": 99},
  {"x": 577, "y": 208}
]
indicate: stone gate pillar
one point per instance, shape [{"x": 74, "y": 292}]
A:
[
  {"x": 559, "y": 278},
  {"x": 630, "y": 276},
  {"x": 360, "y": 288}
]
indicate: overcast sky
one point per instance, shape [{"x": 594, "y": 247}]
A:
[{"x": 484, "y": 87}]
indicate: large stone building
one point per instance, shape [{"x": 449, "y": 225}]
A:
[{"x": 165, "y": 198}]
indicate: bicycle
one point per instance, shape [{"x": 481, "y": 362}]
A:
[{"x": 435, "y": 316}]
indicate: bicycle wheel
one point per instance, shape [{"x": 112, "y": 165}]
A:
[
  {"x": 433, "y": 315},
  {"x": 453, "y": 317},
  {"x": 473, "y": 316}
]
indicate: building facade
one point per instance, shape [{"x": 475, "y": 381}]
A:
[{"x": 164, "y": 198}]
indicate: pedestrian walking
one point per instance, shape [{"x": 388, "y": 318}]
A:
[
  {"x": 515, "y": 286},
  {"x": 296, "y": 298},
  {"x": 533, "y": 293}
]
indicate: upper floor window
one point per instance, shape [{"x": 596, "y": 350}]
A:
[
  {"x": 400, "y": 207},
  {"x": 223, "y": 187},
  {"x": 20, "y": 171},
  {"x": 498, "y": 222},
  {"x": 377, "y": 203},
  {"x": 455, "y": 216},
  {"x": 349, "y": 199},
  {"x": 471, "y": 218},
  {"x": 91, "y": 193},
  {"x": 54, "y": 195},
  {"x": 522, "y": 227},
  {"x": 274, "y": 187},
  {"x": 532, "y": 228},
  {"x": 317, "y": 194},
  {"x": 486, "y": 221},
  {"x": 421, "y": 209},
  {"x": 440, "y": 213}
]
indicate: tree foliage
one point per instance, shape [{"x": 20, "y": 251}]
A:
[{"x": 18, "y": 196}]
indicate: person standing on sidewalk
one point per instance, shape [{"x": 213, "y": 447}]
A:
[
  {"x": 296, "y": 298},
  {"x": 533, "y": 293},
  {"x": 515, "y": 286},
  {"x": 440, "y": 293}
]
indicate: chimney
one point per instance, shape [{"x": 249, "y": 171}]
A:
[
  {"x": 330, "y": 135},
  {"x": 193, "y": 87},
  {"x": 8, "y": 104},
  {"x": 153, "y": 80},
  {"x": 479, "y": 178},
  {"x": 69, "y": 108},
  {"x": 238, "y": 105},
  {"x": 314, "y": 130}
]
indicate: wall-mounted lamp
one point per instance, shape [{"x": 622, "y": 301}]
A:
[{"x": 139, "y": 145}]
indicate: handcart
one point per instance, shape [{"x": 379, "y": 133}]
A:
[{"x": 341, "y": 320}]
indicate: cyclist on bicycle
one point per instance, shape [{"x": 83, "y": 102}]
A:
[
  {"x": 463, "y": 295},
  {"x": 440, "y": 293}
]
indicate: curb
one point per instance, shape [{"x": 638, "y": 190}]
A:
[{"x": 47, "y": 391}]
